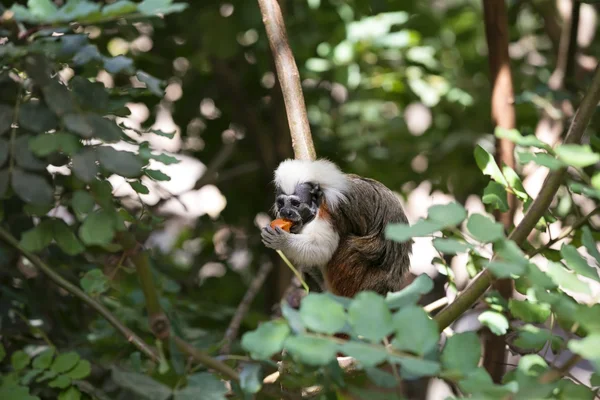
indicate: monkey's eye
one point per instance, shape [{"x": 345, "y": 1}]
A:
[
  {"x": 279, "y": 203},
  {"x": 295, "y": 203}
]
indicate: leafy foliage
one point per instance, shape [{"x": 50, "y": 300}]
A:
[{"x": 395, "y": 92}]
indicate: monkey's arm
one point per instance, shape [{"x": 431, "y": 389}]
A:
[{"x": 313, "y": 247}]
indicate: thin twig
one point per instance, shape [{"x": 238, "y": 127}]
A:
[
  {"x": 556, "y": 374},
  {"x": 289, "y": 78},
  {"x": 242, "y": 309},
  {"x": 74, "y": 290},
  {"x": 581, "y": 221},
  {"x": 539, "y": 206}
]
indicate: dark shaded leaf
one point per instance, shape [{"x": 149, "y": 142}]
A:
[
  {"x": 528, "y": 311},
  {"x": 123, "y": 163},
  {"x": 84, "y": 165},
  {"x": 43, "y": 360},
  {"x": 157, "y": 175},
  {"x": 71, "y": 393},
  {"x": 4, "y": 178},
  {"x": 97, "y": 229},
  {"x": 200, "y": 386},
  {"x": 19, "y": 360},
  {"x": 90, "y": 95},
  {"x": 36, "y": 117},
  {"x": 37, "y": 238},
  {"x": 48, "y": 143},
  {"x": 118, "y": 64},
  {"x": 64, "y": 362},
  {"x": 94, "y": 282},
  {"x": 153, "y": 84},
  {"x": 65, "y": 238},
  {"x": 24, "y": 157},
  {"x": 31, "y": 188},
  {"x": 495, "y": 195},
  {"x": 4, "y": 145},
  {"x": 487, "y": 164},
  {"x": 82, "y": 202},
  {"x": 60, "y": 382},
  {"x": 58, "y": 98},
  {"x": 139, "y": 187}
]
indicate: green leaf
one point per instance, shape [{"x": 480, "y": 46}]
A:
[
  {"x": 46, "y": 376},
  {"x": 19, "y": 360},
  {"x": 411, "y": 293},
  {"x": 508, "y": 250},
  {"x": 65, "y": 238},
  {"x": 515, "y": 182},
  {"x": 577, "y": 155},
  {"x": 451, "y": 246},
  {"x": 484, "y": 229},
  {"x": 78, "y": 10},
  {"x": 447, "y": 215},
  {"x": 596, "y": 180},
  {"x": 120, "y": 7},
  {"x": 157, "y": 175},
  {"x": 590, "y": 243},
  {"x": 81, "y": 370},
  {"x": 267, "y": 340},
  {"x": 123, "y": 163},
  {"x": 565, "y": 279},
  {"x": 152, "y": 7},
  {"x": 595, "y": 380},
  {"x": 515, "y": 136},
  {"x": 58, "y": 98},
  {"x": 82, "y": 202},
  {"x": 495, "y": 321},
  {"x": 94, "y": 282},
  {"x": 90, "y": 95},
  {"x": 205, "y": 386},
  {"x": 322, "y": 314},
  {"x": 16, "y": 392},
  {"x": 309, "y": 350},
  {"x": 44, "y": 359},
  {"x": 24, "y": 157},
  {"x": 495, "y": 195},
  {"x": 90, "y": 125},
  {"x": 415, "y": 367},
  {"x": 486, "y": 163},
  {"x": 370, "y": 317},
  {"x": 37, "y": 238},
  {"x": 4, "y": 179},
  {"x": 71, "y": 393},
  {"x": 30, "y": 375},
  {"x": 43, "y": 9},
  {"x": 84, "y": 165},
  {"x": 154, "y": 85},
  {"x": 64, "y": 362},
  {"x": 543, "y": 159},
  {"x": 588, "y": 347},
  {"x": 461, "y": 352},
  {"x": 36, "y": 117},
  {"x": 60, "y": 382},
  {"x": 570, "y": 390},
  {"x": 2, "y": 352},
  {"x": 577, "y": 263},
  {"x": 423, "y": 334},
  {"x": 142, "y": 385},
  {"x": 505, "y": 269},
  {"x": 251, "y": 378},
  {"x": 139, "y": 187},
  {"x": 367, "y": 355},
  {"x": 48, "y": 143},
  {"x": 402, "y": 232},
  {"x": 533, "y": 338},
  {"x": 97, "y": 229},
  {"x": 528, "y": 311},
  {"x": 118, "y": 64}
]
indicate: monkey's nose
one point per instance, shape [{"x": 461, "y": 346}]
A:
[{"x": 287, "y": 213}]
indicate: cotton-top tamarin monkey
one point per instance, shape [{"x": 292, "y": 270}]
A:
[{"x": 338, "y": 228}]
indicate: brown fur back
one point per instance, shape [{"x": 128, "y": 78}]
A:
[{"x": 365, "y": 259}]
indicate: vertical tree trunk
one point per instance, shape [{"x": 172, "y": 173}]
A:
[{"x": 503, "y": 115}]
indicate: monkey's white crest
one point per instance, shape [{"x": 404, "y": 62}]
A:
[{"x": 333, "y": 182}]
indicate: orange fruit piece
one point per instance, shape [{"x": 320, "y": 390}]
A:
[{"x": 282, "y": 223}]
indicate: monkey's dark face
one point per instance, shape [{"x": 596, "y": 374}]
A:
[{"x": 300, "y": 207}]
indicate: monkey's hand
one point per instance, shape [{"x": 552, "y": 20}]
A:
[{"x": 275, "y": 238}]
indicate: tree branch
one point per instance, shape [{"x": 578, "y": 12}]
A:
[
  {"x": 503, "y": 116},
  {"x": 482, "y": 282},
  {"x": 289, "y": 78},
  {"x": 234, "y": 326},
  {"x": 75, "y": 291}
]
